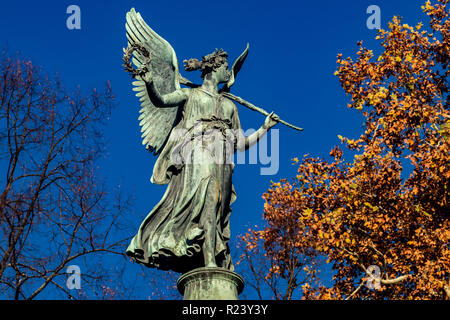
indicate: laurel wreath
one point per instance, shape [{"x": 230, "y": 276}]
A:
[{"x": 128, "y": 53}]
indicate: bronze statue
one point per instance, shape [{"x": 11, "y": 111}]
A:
[{"x": 189, "y": 227}]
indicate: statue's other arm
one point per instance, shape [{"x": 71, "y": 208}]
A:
[
  {"x": 166, "y": 100},
  {"x": 243, "y": 143}
]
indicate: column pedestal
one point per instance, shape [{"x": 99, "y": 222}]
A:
[{"x": 210, "y": 284}]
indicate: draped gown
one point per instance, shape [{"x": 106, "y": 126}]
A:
[{"x": 196, "y": 164}]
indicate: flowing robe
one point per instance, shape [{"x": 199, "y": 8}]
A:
[{"x": 196, "y": 164}]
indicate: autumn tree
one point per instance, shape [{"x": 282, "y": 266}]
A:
[
  {"x": 386, "y": 210},
  {"x": 277, "y": 269},
  {"x": 54, "y": 208}
]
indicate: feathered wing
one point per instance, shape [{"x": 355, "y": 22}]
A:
[
  {"x": 156, "y": 123},
  {"x": 237, "y": 65}
]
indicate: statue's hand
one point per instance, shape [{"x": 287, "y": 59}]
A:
[
  {"x": 271, "y": 120},
  {"x": 144, "y": 71},
  {"x": 192, "y": 64}
]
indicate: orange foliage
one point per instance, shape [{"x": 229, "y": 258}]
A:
[{"x": 389, "y": 206}]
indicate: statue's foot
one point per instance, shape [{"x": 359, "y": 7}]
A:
[{"x": 211, "y": 265}]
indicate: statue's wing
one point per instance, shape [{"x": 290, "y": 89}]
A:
[
  {"x": 156, "y": 123},
  {"x": 237, "y": 65}
]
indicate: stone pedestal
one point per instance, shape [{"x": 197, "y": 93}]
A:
[{"x": 210, "y": 284}]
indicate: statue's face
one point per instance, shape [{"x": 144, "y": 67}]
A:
[{"x": 222, "y": 74}]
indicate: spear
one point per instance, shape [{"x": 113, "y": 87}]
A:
[
  {"x": 255, "y": 108},
  {"x": 239, "y": 100}
]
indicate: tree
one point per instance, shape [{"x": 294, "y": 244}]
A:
[
  {"x": 54, "y": 208},
  {"x": 387, "y": 210},
  {"x": 276, "y": 268}
]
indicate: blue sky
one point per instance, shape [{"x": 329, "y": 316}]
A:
[{"x": 289, "y": 69}]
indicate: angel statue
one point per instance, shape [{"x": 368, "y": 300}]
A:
[{"x": 189, "y": 227}]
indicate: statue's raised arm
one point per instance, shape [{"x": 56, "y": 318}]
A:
[{"x": 157, "y": 81}]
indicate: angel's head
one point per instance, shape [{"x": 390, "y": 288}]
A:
[{"x": 212, "y": 65}]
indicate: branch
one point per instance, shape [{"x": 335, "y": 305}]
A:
[
  {"x": 49, "y": 279},
  {"x": 396, "y": 280},
  {"x": 257, "y": 109},
  {"x": 387, "y": 281},
  {"x": 355, "y": 291}
]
